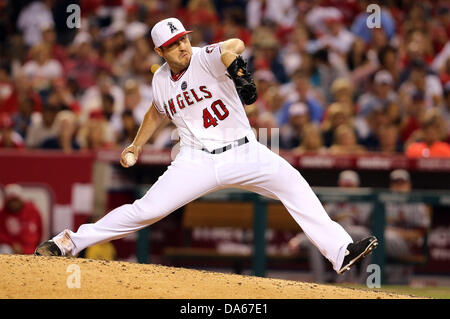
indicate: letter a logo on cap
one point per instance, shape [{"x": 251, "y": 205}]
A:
[
  {"x": 167, "y": 31},
  {"x": 172, "y": 27}
]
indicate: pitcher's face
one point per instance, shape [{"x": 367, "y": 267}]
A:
[{"x": 178, "y": 54}]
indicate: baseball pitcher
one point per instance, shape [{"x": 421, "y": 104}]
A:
[{"x": 203, "y": 92}]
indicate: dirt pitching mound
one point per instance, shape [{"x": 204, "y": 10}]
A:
[{"x": 25, "y": 276}]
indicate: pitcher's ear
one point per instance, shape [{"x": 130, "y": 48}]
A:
[{"x": 159, "y": 51}]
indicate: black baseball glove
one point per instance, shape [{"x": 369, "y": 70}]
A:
[{"x": 244, "y": 84}]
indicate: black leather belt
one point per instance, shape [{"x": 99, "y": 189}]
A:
[{"x": 240, "y": 142}]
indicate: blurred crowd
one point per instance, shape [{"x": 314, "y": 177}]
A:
[{"x": 328, "y": 81}]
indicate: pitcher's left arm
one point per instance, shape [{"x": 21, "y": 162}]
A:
[{"x": 237, "y": 69}]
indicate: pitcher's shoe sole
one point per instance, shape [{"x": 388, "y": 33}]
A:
[
  {"x": 349, "y": 260},
  {"x": 47, "y": 248}
]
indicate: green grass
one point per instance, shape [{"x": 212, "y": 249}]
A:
[{"x": 439, "y": 292}]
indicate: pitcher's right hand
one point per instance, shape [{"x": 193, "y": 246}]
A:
[{"x": 136, "y": 150}]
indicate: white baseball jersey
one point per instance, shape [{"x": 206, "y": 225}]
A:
[{"x": 202, "y": 101}]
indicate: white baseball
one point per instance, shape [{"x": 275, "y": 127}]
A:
[{"x": 130, "y": 160}]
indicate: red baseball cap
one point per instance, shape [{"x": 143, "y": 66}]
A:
[{"x": 167, "y": 31}]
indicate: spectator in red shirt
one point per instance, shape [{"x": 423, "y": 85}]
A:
[
  {"x": 202, "y": 13},
  {"x": 8, "y": 137},
  {"x": 8, "y": 98},
  {"x": 430, "y": 144},
  {"x": 233, "y": 26},
  {"x": 86, "y": 62},
  {"x": 20, "y": 222},
  {"x": 57, "y": 51}
]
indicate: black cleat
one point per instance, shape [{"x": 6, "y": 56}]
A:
[
  {"x": 48, "y": 248},
  {"x": 357, "y": 251}
]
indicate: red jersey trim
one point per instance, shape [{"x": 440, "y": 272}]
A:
[{"x": 176, "y": 77}]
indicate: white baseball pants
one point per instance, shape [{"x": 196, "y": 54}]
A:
[{"x": 194, "y": 173}]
